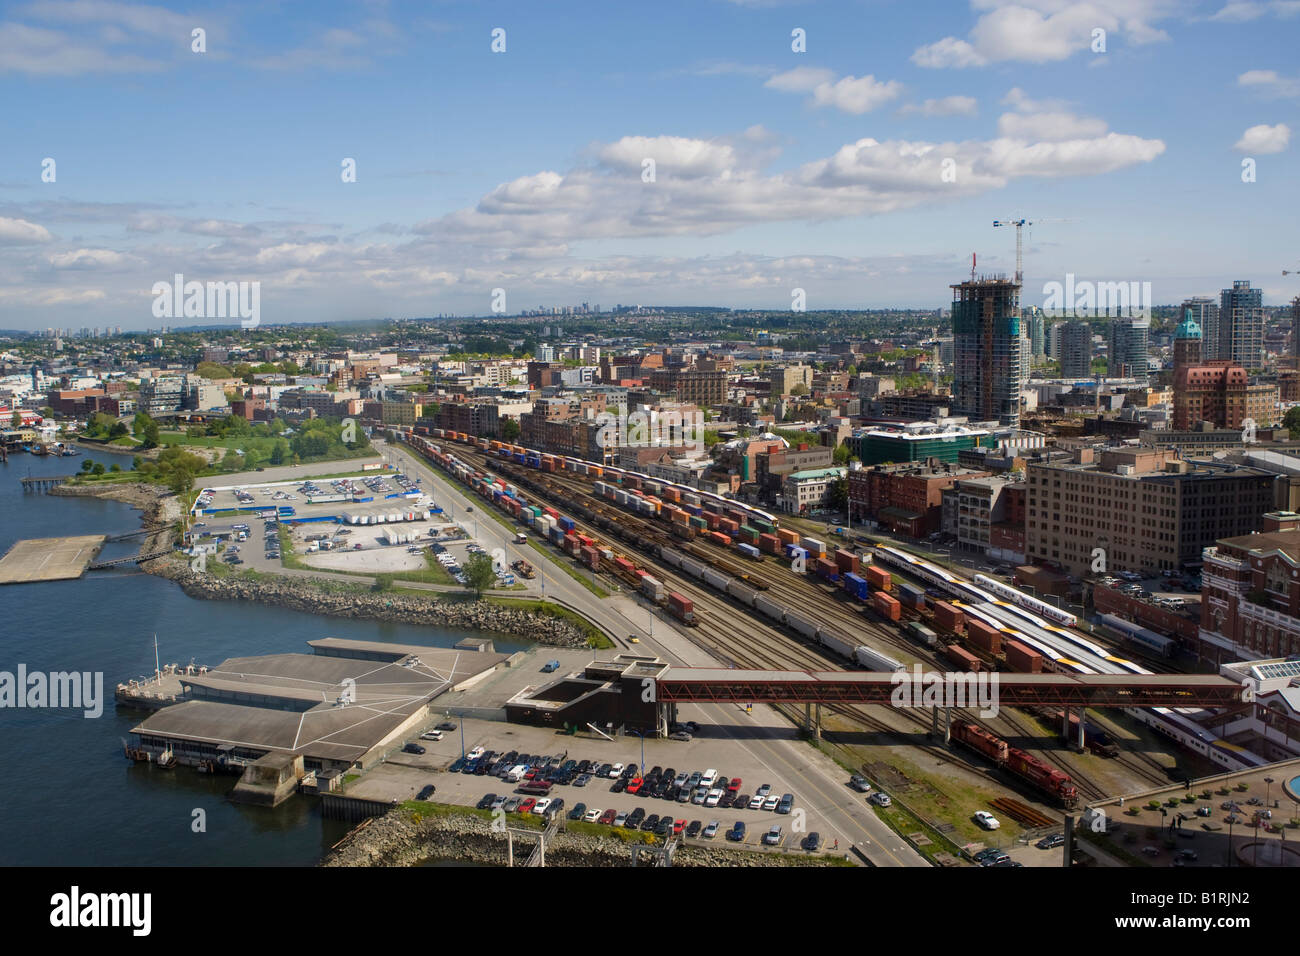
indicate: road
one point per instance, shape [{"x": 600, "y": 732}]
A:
[{"x": 821, "y": 780}]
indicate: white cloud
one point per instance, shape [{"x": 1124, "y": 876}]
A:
[
  {"x": 92, "y": 259},
  {"x": 1264, "y": 139},
  {"x": 1270, "y": 82},
  {"x": 850, "y": 94},
  {"x": 1244, "y": 11},
  {"x": 944, "y": 106},
  {"x": 676, "y": 155},
  {"x": 856, "y": 95},
  {"x": 21, "y": 232},
  {"x": 1044, "y": 31},
  {"x": 1049, "y": 126},
  {"x": 802, "y": 79}
]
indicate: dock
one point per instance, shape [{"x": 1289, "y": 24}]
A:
[
  {"x": 45, "y": 482},
  {"x": 49, "y": 559}
]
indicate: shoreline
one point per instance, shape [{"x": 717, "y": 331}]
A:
[
  {"x": 318, "y": 596},
  {"x": 407, "y": 837}
]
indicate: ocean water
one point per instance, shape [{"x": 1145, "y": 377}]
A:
[{"x": 71, "y": 797}]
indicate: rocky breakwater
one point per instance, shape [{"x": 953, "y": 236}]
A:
[
  {"x": 354, "y": 602},
  {"x": 160, "y": 508},
  {"x": 406, "y": 837}
]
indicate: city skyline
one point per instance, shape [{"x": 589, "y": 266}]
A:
[{"x": 775, "y": 170}]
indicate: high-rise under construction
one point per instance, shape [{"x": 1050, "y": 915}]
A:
[{"x": 987, "y": 350}]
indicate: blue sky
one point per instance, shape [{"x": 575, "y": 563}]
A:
[{"x": 523, "y": 170}]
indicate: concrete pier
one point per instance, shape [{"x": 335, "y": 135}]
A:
[{"x": 49, "y": 559}]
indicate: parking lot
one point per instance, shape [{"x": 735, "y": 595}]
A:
[{"x": 607, "y": 797}]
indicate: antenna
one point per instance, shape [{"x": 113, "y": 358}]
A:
[{"x": 972, "y": 265}]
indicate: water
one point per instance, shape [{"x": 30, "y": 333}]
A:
[{"x": 71, "y": 797}]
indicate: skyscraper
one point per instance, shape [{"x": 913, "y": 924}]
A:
[
  {"x": 1076, "y": 350},
  {"x": 1241, "y": 325},
  {"x": 1129, "y": 349},
  {"x": 1204, "y": 313},
  {"x": 987, "y": 350},
  {"x": 1295, "y": 327},
  {"x": 1037, "y": 343}
]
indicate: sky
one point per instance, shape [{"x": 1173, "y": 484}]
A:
[{"x": 706, "y": 152}]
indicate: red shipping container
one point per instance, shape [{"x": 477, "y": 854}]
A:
[
  {"x": 826, "y": 568},
  {"x": 846, "y": 561},
  {"x": 964, "y": 659},
  {"x": 886, "y": 605},
  {"x": 729, "y": 526},
  {"x": 878, "y": 578},
  {"x": 591, "y": 558},
  {"x": 1021, "y": 659},
  {"x": 712, "y": 519},
  {"x": 570, "y": 544},
  {"x": 624, "y": 564},
  {"x": 787, "y": 536},
  {"x": 681, "y": 606},
  {"x": 948, "y": 617},
  {"x": 769, "y": 543},
  {"x": 586, "y": 541},
  {"x": 672, "y": 494},
  {"x": 984, "y": 636},
  {"x": 717, "y": 537}
]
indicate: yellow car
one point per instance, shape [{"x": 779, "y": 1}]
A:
[{"x": 633, "y": 639}]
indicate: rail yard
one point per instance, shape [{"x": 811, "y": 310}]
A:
[{"x": 857, "y": 605}]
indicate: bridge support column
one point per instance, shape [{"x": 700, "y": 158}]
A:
[
  {"x": 1065, "y": 725},
  {"x": 934, "y": 722},
  {"x": 817, "y": 721},
  {"x": 1082, "y": 712},
  {"x": 947, "y": 725}
]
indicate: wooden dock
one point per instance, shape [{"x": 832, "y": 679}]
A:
[
  {"x": 49, "y": 559},
  {"x": 45, "y": 482}
]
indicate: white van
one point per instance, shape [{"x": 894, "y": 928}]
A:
[
  {"x": 709, "y": 779},
  {"x": 517, "y": 773}
]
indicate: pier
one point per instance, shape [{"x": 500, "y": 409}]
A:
[
  {"x": 49, "y": 559},
  {"x": 44, "y": 483}
]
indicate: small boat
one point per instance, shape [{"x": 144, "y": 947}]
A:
[{"x": 167, "y": 759}]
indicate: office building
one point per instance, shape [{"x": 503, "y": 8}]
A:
[{"x": 987, "y": 350}]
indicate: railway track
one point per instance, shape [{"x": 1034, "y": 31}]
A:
[{"x": 768, "y": 647}]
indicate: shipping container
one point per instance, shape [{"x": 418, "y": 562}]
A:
[
  {"x": 910, "y": 595},
  {"x": 964, "y": 659},
  {"x": 878, "y": 578},
  {"x": 769, "y": 543},
  {"x": 886, "y": 606},
  {"x": 787, "y": 536},
  {"x": 919, "y": 632},
  {"x": 825, "y": 568},
  {"x": 947, "y": 616},
  {"x": 846, "y": 562},
  {"x": 857, "y": 586},
  {"x": 653, "y": 588},
  {"x": 682, "y": 608},
  {"x": 749, "y": 551},
  {"x": 1022, "y": 659},
  {"x": 717, "y": 537},
  {"x": 814, "y": 547},
  {"x": 984, "y": 636}
]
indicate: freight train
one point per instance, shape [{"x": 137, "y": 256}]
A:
[{"x": 1053, "y": 783}]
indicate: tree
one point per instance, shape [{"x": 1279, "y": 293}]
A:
[
  {"x": 1292, "y": 421},
  {"x": 479, "y": 573},
  {"x": 181, "y": 482},
  {"x": 842, "y": 456},
  {"x": 212, "y": 370},
  {"x": 838, "y": 494},
  {"x": 17, "y": 420},
  {"x": 800, "y": 389},
  {"x": 98, "y": 469},
  {"x": 509, "y": 429},
  {"x": 151, "y": 434}
]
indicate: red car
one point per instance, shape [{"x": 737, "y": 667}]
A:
[
  {"x": 531, "y": 774},
  {"x": 608, "y": 817},
  {"x": 527, "y": 805},
  {"x": 734, "y": 786},
  {"x": 679, "y": 826},
  {"x": 634, "y": 785}
]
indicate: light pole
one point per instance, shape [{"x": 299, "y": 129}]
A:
[
  {"x": 641, "y": 734},
  {"x": 1268, "y": 786}
]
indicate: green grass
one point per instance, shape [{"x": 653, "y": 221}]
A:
[
  {"x": 595, "y": 636},
  {"x": 568, "y": 569}
]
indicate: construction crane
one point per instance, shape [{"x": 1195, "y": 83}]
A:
[{"x": 1020, "y": 224}]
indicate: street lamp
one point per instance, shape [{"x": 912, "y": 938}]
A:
[
  {"x": 1268, "y": 786},
  {"x": 641, "y": 734}
]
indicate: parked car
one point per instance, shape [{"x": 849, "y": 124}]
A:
[
  {"x": 1051, "y": 841},
  {"x": 413, "y": 748},
  {"x": 526, "y": 806},
  {"x": 812, "y": 842},
  {"x": 429, "y": 791},
  {"x": 860, "y": 783},
  {"x": 693, "y": 828},
  {"x": 711, "y": 830},
  {"x": 880, "y": 799},
  {"x": 986, "y": 820},
  {"x": 773, "y": 836},
  {"x": 737, "y": 832},
  {"x": 593, "y": 815},
  {"x": 446, "y": 725},
  {"x": 610, "y": 817}
]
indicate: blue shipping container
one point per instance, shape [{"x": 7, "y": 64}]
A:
[
  {"x": 566, "y": 523},
  {"x": 749, "y": 551},
  {"x": 857, "y": 586}
]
